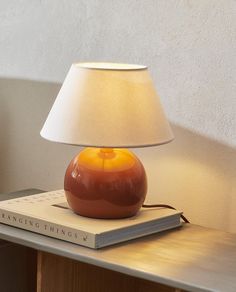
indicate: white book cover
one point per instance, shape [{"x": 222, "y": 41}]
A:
[{"x": 48, "y": 214}]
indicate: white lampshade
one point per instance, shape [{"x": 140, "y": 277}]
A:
[{"x": 107, "y": 105}]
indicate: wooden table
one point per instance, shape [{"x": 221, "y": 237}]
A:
[{"x": 191, "y": 258}]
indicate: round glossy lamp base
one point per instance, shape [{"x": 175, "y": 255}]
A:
[{"x": 105, "y": 183}]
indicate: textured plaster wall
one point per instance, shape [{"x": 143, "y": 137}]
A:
[{"x": 189, "y": 47}]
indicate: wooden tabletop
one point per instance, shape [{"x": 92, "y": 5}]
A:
[{"x": 192, "y": 257}]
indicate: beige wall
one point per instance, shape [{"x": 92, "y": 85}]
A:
[{"x": 190, "y": 49}]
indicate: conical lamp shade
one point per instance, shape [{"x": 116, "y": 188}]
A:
[{"x": 107, "y": 105}]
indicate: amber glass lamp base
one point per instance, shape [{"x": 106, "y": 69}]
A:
[{"x": 105, "y": 183}]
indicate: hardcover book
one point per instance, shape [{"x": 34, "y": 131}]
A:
[{"x": 48, "y": 214}]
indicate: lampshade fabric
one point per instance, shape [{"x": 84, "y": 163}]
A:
[{"x": 107, "y": 105}]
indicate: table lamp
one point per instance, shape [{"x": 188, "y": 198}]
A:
[{"x": 107, "y": 108}]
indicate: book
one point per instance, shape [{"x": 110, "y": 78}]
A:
[{"x": 49, "y": 214}]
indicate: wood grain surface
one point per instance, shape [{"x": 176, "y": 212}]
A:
[{"x": 59, "y": 274}]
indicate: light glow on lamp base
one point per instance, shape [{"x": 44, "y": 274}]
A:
[{"x": 105, "y": 183}]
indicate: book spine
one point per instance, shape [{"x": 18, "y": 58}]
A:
[{"x": 50, "y": 229}]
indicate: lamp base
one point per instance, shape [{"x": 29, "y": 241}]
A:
[{"x": 105, "y": 183}]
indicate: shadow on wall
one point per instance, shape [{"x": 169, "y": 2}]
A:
[
  {"x": 26, "y": 159},
  {"x": 193, "y": 173}
]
